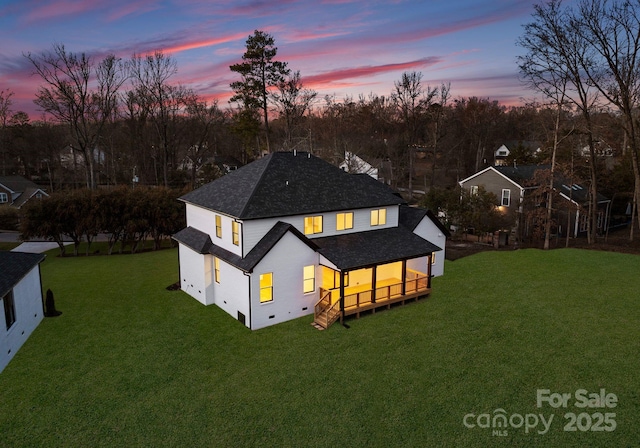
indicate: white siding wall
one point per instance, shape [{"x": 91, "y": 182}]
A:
[
  {"x": 254, "y": 230},
  {"x": 205, "y": 221},
  {"x": 430, "y": 232},
  {"x": 195, "y": 274},
  {"x": 418, "y": 264},
  {"x": 286, "y": 261},
  {"x": 232, "y": 293},
  {"x": 27, "y": 297}
]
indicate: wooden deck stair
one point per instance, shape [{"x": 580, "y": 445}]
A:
[{"x": 324, "y": 312}]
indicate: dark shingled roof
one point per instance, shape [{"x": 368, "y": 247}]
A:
[
  {"x": 14, "y": 266},
  {"x": 364, "y": 249},
  {"x": 520, "y": 174},
  {"x": 410, "y": 217},
  {"x": 194, "y": 239},
  {"x": 201, "y": 243},
  {"x": 285, "y": 184}
]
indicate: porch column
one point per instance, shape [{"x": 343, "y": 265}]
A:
[
  {"x": 404, "y": 277},
  {"x": 429, "y": 270},
  {"x": 373, "y": 283},
  {"x": 341, "y": 296}
]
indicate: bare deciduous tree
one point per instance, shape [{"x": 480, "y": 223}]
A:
[{"x": 68, "y": 94}]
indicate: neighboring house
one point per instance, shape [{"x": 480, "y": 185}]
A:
[
  {"x": 21, "y": 297},
  {"x": 512, "y": 183},
  {"x": 525, "y": 149},
  {"x": 378, "y": 169},
  {"x": 500, "y": 156},
  {"x": 16, "y": 191},
  {"x": 291, "y": 235}
]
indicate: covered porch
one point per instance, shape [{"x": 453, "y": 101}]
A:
[{"x": 392, "y": 267}]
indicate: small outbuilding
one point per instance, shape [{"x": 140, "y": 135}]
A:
[{"x": 21, "y": 308}]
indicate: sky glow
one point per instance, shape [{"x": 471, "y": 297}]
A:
[{"x": 341, "y": 47}]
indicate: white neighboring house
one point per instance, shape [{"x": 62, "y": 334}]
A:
[
  {"x": 21, "y": 297},
  {"x": 291, "y": 235},
  {"x": 357, "y": 165}
]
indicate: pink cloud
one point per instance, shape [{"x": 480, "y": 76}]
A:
[{"x": 59, "y": 8}]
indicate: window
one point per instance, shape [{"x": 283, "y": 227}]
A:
[
  {"x": 473, "y": 190},
  {"x": 4, "y": 198},
  {"x": 379, "y": 217},
  {"x": 216, "y": 269},
  {"x": 312, "y": 224},
  {"x": 235, "y": 231},
  {"x": 506, "y": 197},
  {"x": 344, "y": 221},
  {"x": 219, "y": 226},
  {"x": 9, "y": 309},
  {"x": 309, "y": 279},
  {"x": 266, "y": 287}
]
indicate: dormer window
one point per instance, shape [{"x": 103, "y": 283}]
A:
[{"x": 312, "y": 225}]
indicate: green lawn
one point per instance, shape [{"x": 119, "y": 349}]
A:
[{"x": 131, "y": 364}]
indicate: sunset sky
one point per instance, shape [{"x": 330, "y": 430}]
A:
[{"x": 341, "y": 47}]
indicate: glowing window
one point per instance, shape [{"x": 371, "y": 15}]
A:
[
  {"x": 266, "y": 287},
  {"x": 473, "y": 190},
  {"x": 309, "y": 279},
  {"x": 216, "y": 268},
  {"x": 312, "y": 224},
  {"x": 344, "y": 221},
  {"x": 235, "y": 231},
  {"x": 379, "y": 217},
  {"x": 219, "y": 226}
]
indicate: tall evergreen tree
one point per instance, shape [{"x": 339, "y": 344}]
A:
[{"x": 259, "y": 72}]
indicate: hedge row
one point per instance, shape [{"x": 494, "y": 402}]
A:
[{"x": 125, "y": 216}]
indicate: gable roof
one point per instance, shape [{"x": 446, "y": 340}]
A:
[
  {"x": 14, "y": 266},
  {"x": 410, "y": 217},
  {"x": 366, "y": 249},
  {"x": 17, "y": 184},
  {"x": 290, "y": 183},
  {"x": 201, "y": 243}
]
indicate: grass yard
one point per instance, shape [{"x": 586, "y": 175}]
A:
[{"x": 130, "y": 363}]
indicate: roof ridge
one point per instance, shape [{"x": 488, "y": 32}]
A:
[{"x": 255, "y": 185}]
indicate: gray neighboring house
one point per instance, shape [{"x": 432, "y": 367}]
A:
[
  {"x": 291, "y": 235},
  {"x": 16, "y": 191},
  {"x": 21, "y": 296},
  {"x": 512, "y": 183}
]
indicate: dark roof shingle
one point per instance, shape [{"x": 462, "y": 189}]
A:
[
  {"x": 14, "y": 266},
  {"x": 365, "y": 249},
  {"x": 285, "y": 184}
]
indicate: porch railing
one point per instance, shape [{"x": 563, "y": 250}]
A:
[{"x": 413, "y": 285}]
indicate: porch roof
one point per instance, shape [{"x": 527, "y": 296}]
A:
[{"x": 365, "y": 249}]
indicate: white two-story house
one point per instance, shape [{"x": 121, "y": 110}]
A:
[{"x": 291, "y": 235}]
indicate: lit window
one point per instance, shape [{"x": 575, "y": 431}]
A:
[
  {"x": 344, "y": 221},
  {"x": 9, "y": 309},
  {"x": 379, "y": 217},
  {"x": 506, "y": 197},
  {"x": 473, "y": 190},
  {"x": 235, "y": 231},
  {"x": 309, "y": 279},
  {"x": 4, "y": 198},
  {"x": 312, "y": 224},
  {"x": 266, "y": 287},
  {"x": 219, "y": 226},
  {"x": 216, "y": 268}
]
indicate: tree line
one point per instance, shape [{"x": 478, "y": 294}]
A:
[{"x": 137, "y": 126}]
